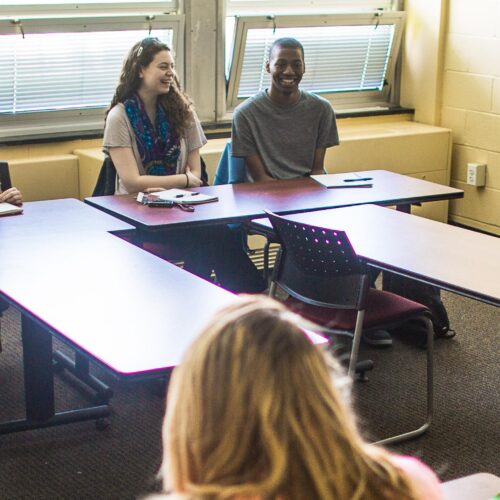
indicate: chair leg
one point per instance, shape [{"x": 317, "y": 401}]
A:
[
  {"x": 266, "y": 259},
  {"x": 355, "y": 343},
  {"x": 430, "y": 392}
]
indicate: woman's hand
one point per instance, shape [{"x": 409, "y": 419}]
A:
[
  {"x": 193, "y": 181},
  {"x": 12, "y": 195},
  {"x": 153, "y": 190}
]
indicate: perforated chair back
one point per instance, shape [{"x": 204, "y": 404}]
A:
[
  {"x": 5, "y": 182},
  {"x": 319, "y": 266}
]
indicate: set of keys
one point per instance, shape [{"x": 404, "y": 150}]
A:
[{"x": 153, "y": 201}]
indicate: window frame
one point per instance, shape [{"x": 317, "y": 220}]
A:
[
  {"x": 82, "y": 8},
  {"x": 90, "y": 121},
  {"x": 282, "y": 7},
  {"x": 347, "y": 101}
]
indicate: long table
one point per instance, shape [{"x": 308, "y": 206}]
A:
[
  {"x": 128, "y": 311},
  {"x": 455, "y": 259},
  {"x": 121, "y": 307},
  {"x": 242, "y": 202}
]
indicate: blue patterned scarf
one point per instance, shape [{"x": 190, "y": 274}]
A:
[{"x": 159, "y": 146}]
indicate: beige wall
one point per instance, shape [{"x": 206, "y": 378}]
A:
[
  {"x": 471, "y": 107},
  {"x": 423, "y": 53},
  {"x": 46, "y": 171}
]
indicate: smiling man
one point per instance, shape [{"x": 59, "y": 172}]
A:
[{"x": 283, "y": 132}]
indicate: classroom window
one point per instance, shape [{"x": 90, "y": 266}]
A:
[
  {"x": 29, "y": 7},
  {"x": 59, "y": 73},
  {"x": 253, "y": 7},
  {"x": 349, "y": 59}
]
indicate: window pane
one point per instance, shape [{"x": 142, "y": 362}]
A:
[
  {"x": 45, "y": 3},
  {"x": 337, "y": 58},
  {"x": 41, "y": 3},
  {"x": 63, "y": 71},
  {"x": 250, "y": 7}
]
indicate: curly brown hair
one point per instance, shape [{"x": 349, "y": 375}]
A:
[{"x": 177, "y": 103}]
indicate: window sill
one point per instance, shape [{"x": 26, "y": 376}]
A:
[
  {"x": 222, "y": 129},
  {"x": 213, "y": 130}
]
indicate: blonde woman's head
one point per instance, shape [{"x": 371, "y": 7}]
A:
[{"x": 252, "y": 410}]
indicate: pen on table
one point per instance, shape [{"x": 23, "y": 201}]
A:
[
  {"x": 359, "y": 179},
  {"x": 182, "y": 195}
]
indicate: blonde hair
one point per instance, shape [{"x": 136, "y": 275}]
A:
[{"x": 252, "y": 410}]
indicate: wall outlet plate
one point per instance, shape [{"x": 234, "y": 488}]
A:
[{"x": 476, "y": 174}]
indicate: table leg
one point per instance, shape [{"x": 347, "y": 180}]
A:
[
  {"x": 405, "y": 208},
  {"x": 38, "y": 374},
  {"x": 39, "y": 385},
  {"x": 80, "y": 368}
]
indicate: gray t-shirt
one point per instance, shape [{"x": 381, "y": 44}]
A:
[{"x": 285, "y": 137}]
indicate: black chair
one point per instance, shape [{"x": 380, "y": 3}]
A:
[
  {"x": 328, "y": 284},
  {"x": 5, "y": 182},
  {"x": 106, "y": 180}
]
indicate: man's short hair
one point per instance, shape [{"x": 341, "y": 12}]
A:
[{"x": 288, "y": 43}]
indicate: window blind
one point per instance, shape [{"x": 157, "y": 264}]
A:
[
  {"x": 64, "y": 71},
  {"x": 337, "y": 58}
]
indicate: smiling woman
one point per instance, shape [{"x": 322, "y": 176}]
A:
[
  {"x": 152, "y": 133},
  {"x": 153, "y": 138}
]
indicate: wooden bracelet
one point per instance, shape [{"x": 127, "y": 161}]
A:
[{"x": 187, "y": 179}]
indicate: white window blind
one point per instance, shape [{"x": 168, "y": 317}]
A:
[
  {"x": 337, "y": 58},
  {"x": 60, "y": 76},
  {"x": 63, "y": 71},
  {"x": 348, "y": 58}
]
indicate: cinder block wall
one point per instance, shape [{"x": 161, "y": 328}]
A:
[{"x": 471, "y": 108}]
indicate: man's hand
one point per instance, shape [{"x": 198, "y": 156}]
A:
[
  {"x": 12, "y": 195},
  {"x": 318, "y": 167},
  {"x": 256, "y": 169}
]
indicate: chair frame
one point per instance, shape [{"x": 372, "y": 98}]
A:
[
  {"x": 360, "y": 306},
  {"x": 5, "y": 182}
]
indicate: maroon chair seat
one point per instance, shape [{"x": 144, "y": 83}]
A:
[{"x": 384, "y": 310}]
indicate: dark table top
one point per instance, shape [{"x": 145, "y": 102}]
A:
[
  {"x": 241, "y": 202},
  {"x": 58, "y": 216}
]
